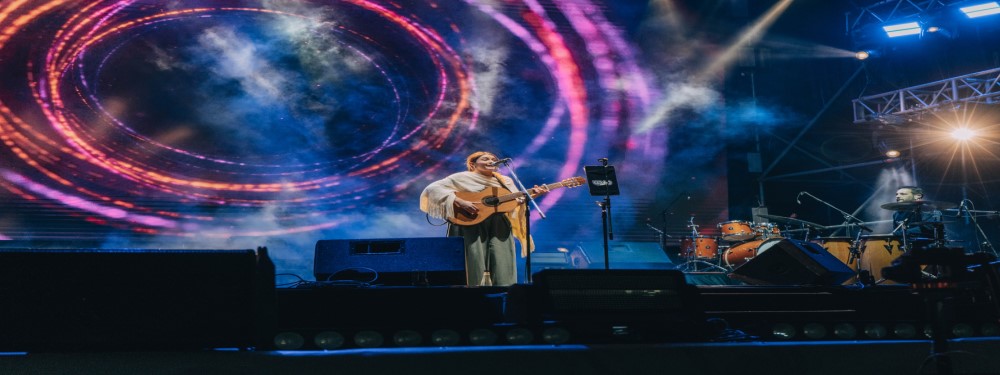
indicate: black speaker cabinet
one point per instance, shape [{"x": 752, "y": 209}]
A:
[
  {"x": 392, "y": 261},
  {"x": 128, "y": 299},
  {"x": 792, "y": 262}
]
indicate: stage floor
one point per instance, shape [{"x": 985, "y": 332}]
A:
[{"x": 968, "y": 356}]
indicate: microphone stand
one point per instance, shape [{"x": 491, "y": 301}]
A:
[
  {"x": 527, "y": 219},
  {"x": 606, "y": 216},
  {"x": 970, "y": 214},
  {"x": 855, "y": 248}
]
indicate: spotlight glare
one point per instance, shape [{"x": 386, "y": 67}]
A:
[
  {"x": 981, "y": 10},
  {"x": 862, "y": 55},
  {"x": 893, "y": 153},
  {"x": 963, "y": 134}
]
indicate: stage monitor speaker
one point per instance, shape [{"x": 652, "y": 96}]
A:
[
  {"x": 629, "y": 256},
  {"x": 791, "y": 262},
  {"x": 130, "y": 299},
  {"x": 394, "y": 261}
]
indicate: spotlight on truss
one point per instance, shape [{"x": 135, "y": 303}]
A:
[
  {"x": 980, "y": 10},
  {"x": 902, "y": 29},
  {"x": 865, "y": 54}
]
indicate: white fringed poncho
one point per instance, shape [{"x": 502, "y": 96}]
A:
[{"x": 438, "y": 198}]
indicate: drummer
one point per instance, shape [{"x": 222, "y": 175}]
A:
[{"x": 920, "y": 220}]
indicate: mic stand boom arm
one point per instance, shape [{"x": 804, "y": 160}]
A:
[
  {"x": 847, "y": 216},
  {"x": 527, "y": 219}
]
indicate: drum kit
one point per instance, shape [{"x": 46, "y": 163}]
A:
[{"x": 740, "y": 241}]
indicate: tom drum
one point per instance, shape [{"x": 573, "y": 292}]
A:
[
  {"x": 736, "y": 230},
  {"x": 702, "y": 247}
]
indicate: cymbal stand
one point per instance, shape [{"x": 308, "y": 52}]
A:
[{"x": 692, "y": 263}]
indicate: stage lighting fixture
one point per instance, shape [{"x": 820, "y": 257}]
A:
[
  {"x": 962, "y": 330},
  {"x": 902, "y": 29},
  {"x": 963, "y": 134},
  {"x": 845, "y": 331},
  {"x": 368, "y": 339},
  {"x": 329, "y": 340},
  {"x": 814, "y": 331},
  {"x": 288, "y": 341},
  {"x": 876, "y": 331},
  {"x": 482, "y": 336},
  {"x": 520, "y": 336},
  {"x": 984, "y": 9},
  {"x": 407, "y": 337},
  {"x": 783, "y": 331},
  {"x": 862, "y": 55},
  {"x": 892, "y": 153},
  {"x": 445, "y": 337},
  {"x": 905, "y": 330}
]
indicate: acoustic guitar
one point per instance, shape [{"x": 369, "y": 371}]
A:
[{"x": 497, "y": 199}]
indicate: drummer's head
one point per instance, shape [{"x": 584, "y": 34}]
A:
[{"x": 909, "y": 194}]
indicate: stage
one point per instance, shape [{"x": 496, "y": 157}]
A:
[{"x": 620, "y": 322}]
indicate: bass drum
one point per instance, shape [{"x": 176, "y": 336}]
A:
[
  {"x": 840, "y": 248},
  {"x": 741, "y": 253},
  {"x": 878, "y": 253}
]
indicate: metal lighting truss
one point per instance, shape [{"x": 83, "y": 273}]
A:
[
  {"x": 902, "y": 105},
  {"x": 887, "y": 11}
]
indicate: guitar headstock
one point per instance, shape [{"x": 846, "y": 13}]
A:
[{"x": 573, "y": 182}]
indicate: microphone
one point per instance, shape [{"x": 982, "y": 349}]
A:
[
  {"x": 960, "y": 206},
  {"x": 797, "y": 200},
  {"x": 501, "y": 161},
  {"x": 602, "y": 160}
]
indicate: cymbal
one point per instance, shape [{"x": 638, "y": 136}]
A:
[
  {"x": 912, "y": 205},
  {"x": 793, "y": 221}
]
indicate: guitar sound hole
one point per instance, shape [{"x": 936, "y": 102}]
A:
[{"x": 491, "y": 201}]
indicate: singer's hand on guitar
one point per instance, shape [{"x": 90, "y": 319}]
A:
[
  {"x": 538, "y": 190},
  {"x": 467, "y": 206}
]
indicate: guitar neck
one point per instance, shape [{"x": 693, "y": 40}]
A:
[{"x": 515, "y": 195}]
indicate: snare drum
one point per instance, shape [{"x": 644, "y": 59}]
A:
[
  {"x": 738, "y": 254},
  {"x": 702, "y": 247},
  {"x": 879, "y": 252},
  {"x": 736, "y": 230}
]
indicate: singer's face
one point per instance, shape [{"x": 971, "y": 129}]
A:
[
  {"x": 906, "y": 195},
  {"x": 485, "y": 164}
]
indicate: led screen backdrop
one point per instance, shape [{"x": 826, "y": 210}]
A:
[{"x": 227, "y": 124}]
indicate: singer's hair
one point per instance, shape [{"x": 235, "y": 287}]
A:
[
  {"x": 470, "y": 161},
  {"x": 916, "y": 190}
]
